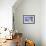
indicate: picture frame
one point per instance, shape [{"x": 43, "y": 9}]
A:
[{"x": 28, "y": 19}]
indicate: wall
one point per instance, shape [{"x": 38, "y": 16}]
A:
[
  {"x": 30, "y": 31},
  {"x": 43, "y": 22},
  {"x": 6, "y": 13}
]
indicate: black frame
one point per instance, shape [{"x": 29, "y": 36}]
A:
[{"x": 29, "y": 15}]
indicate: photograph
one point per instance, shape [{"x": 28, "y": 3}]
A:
[
  {"x": 28, "y": 19},
  {"x": 22, "y": 22}
]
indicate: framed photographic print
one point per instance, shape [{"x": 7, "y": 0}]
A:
[{"x": 28, "y": 19}]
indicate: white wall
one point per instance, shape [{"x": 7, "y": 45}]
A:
[
  {"x": 43, "y": 24},
  {"x": 6, "y": 13},
  {"x": 31, "y": 31}
]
